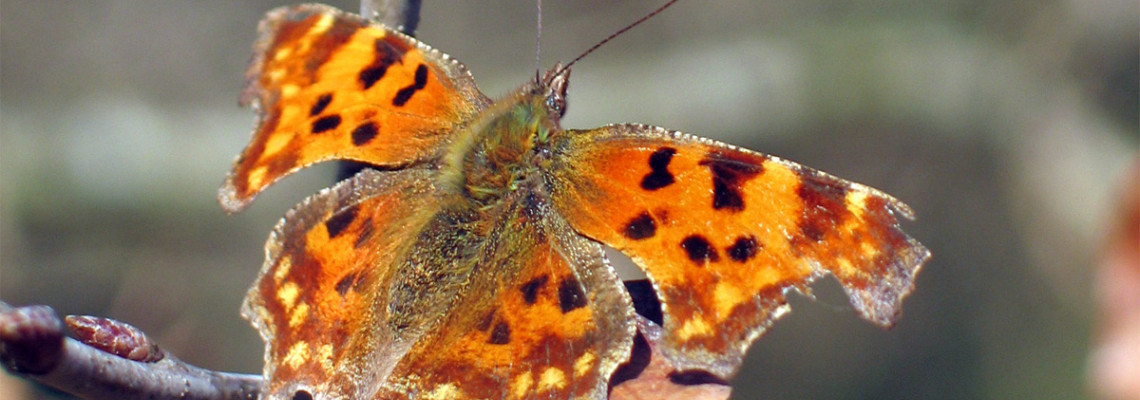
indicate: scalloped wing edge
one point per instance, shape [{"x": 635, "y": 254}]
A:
[{"x": 464, "y": 82}]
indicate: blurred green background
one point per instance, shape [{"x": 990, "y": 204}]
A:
[{"x": 1006, "y": 125}]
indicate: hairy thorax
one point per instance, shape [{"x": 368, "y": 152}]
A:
[{"x": 504, "y": 153}]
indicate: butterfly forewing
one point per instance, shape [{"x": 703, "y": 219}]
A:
[
  {"x": 724, "y": 232},
  {"x": 330, "y": 85}
]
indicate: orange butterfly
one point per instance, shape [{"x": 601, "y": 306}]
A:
[{"x": 470, "y": 265}]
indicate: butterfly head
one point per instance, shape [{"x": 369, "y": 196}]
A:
[
  {"x": 553, "y": 86},
  {"x": 537, "y": 107}
]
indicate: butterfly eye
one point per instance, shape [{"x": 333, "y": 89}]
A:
[
  {"x": 557, "y": 105},
  {"x": 555, "y": 87}
]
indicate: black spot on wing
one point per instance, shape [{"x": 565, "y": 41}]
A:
[
  {"x": 421, "y": 76},
  {"x": 366, "y": 232},
  {"x": 640, "y": 227},
  {"x": 659, "y": 175},
  {"x": 406, "y": 93},
  {"x": 699, "y": 249},
  {"x": 386, "y": 54},
  {"x": 695, "y": 377},
  {"x": 639, "y": 359},
  {"x": 743, "y": 249},
  {"x": 729, "y": 173},
  {"x": 570, "y": 295},
  {"x": 323, "y": 47},
  {"x": 531, "y": 288},
  {"x": 645, "y": 301},
  {"x": 345, "y": 283},
  {"x": 326, "y": 123},
  {"x": 485, "y": 323},
  {"x": 370, "y": 75},
  {"x": 501, "y": 334},
  {"x": 364, "y": 133},
  {"x": 320, "y": 105},
  {"x": 338, "y": 222},
  {"x": 724, "y": 196}
]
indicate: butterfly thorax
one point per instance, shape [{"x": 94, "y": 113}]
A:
[
  {"x": 489, "y": 173},
  {"x": 501, "y": 152}
]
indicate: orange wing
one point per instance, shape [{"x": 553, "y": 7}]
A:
[
  {"x": 331, "y": 85},
  {"x": 724, "y": 232},
  {"x": 543, "y": 316},
  {"x": 314, "y": 301}
]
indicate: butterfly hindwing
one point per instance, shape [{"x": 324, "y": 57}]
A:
[
  {"x": 543, "y": 316},
  {"x": 332, "y": 85},
  {"x": 723, "y": 232},
  {"x": 314, "y": 300}
]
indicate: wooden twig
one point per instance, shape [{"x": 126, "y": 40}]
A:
[{"x": 116, "y": 360}]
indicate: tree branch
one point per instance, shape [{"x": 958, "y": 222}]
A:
[{"x": 113, "y": 361}]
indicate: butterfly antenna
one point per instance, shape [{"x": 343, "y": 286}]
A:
[
  {"x": 618, "y": 33},
  {"x": 538, "y": 43}
]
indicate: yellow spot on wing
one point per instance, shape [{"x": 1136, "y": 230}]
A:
[
  {"x": 275, "y": 144},
  {"x": 856, "y": 202},
  {"x": 869, "y": 249},
  {"x": 322, "y": 25},
  {"x": 289, "y": 90},
  {"x": 727, "y": 296},
  {"x": 288, "y": 293},
  {"x": 297, "y": 355},
  {"x": 552, "y": 378},
  {"x": 256, "y": 177},
  {"x": 293, "y": 114},
  {"x": 583, "y": 364},
  {"x": 282, "y": 54},
  {"x": 445, "y": 391},
  {"x": 695, "y": 326},
  {"x": 298, "y": 315},
  {"x": 845, "y": 265},
  {"x": 522, "y": 384},
  {"x": 283, "y": 266},
  {"x": 276, "y": 74},
  {"x": 326, "y": 353}
]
